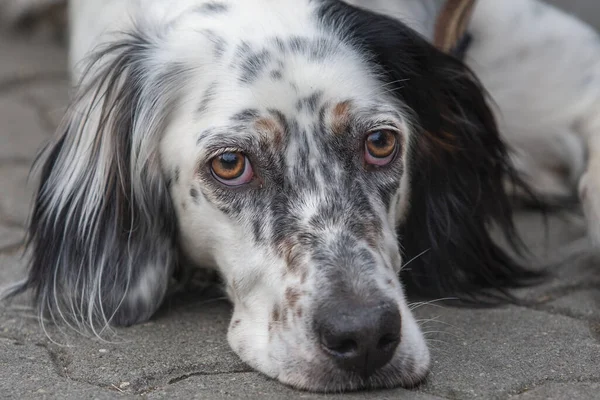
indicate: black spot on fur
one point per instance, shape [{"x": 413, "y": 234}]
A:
[
  {"x": 257, "y": 227},
  {"x": 253, "y": 64},
  {"x": 177, "y": 173},
  {"x": 315, "y": 49},
  {"x": 214, "y": 8},
  {"x": 246, "y": 115},
  {"x": 276, "y": 75},
  {"x": 174, "y": 178},
  {"x": 207, "y": 97},
  {"x": 220, "y": 44},
  {"x": 309, "y": 103},
  {"x": 279, "y": 44},
  {"x": 194, "y": 194},
  {"x": 206, "y": 133}
]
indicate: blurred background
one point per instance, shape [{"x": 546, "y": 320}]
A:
[{"x": 588, "y": 10}]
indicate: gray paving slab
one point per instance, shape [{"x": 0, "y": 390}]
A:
[
  {"x": 492, "y": 353},
  {"x": 251, "y": 386},
  {"x": 34, "y": 374},
  {"x": 561, "y": 391},
  {"x": 186, "y": 337},
  {"x": 49, "y": 99},
  {"x": 16, "y": 194},
  {"x": 30, "y": 61},
  {"x": 10, "y": 237},
  {"x": 22, "y": 131}
]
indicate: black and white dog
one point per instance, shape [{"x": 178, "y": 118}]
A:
[{"x": 307, "y": 150}]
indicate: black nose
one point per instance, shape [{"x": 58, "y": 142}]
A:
[{"x": 361, "y": 338}]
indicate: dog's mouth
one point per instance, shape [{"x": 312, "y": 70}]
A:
[{"x": 402, "y": 372}]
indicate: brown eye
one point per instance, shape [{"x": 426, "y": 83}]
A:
[
  {"x": 232, "y": 168},
  {"x": 380, "y": 147}
]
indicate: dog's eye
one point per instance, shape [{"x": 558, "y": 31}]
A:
[
  {"x": 380, "y": 147},
  {"x": 232, "y": 168}
]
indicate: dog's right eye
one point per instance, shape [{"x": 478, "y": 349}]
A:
[{"x": 232, "y": 168}]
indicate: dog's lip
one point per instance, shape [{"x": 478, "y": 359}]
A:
[{"x": 389, "y": 377}]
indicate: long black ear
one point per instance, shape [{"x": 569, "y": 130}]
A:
[
  {"x": 459, "y": 174},
  {"x": 102, "y": 230},
  {"x": 459, "y": 165}
]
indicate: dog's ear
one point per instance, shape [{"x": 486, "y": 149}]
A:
[
  {"x": 459, "y": 170},
  {"x": 458, "y": 163},
  {"x": 102, "y": 232}
]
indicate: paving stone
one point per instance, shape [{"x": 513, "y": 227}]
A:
[
  {"x": 182, "y": 339},
  {"x": 10, "y": 237},
  {"x": 16, "y": 193},
  {"x": 12, "y": 265},
  {"x": 22, "y": 130},
  {"x": 17, "y": 317},
  {"x": 27, "y": 371},
  {"x": 255, "y": 386},
  {"x": 561, "y": 391},
  {"x": 476, "y": 353},
  {"x": 50, "y": 100},
  {"x": 491, "y": 353},
  {"x": 30, "y": 61}
]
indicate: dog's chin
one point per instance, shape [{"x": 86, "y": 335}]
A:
[
  {"x": 407, "y": 373},
  {"x": 310, "y": 370}
]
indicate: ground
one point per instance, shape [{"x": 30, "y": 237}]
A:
[{"x": 549, "y": 348}]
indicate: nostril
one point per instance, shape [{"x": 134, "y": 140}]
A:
[
  {"x": 340, "y": 348},
  {"x": 387, "y": 342}
]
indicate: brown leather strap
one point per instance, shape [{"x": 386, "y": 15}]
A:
[{"x": 452, "y": 23}]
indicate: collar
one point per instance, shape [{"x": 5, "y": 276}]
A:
[{"x": 450, "y": 33}]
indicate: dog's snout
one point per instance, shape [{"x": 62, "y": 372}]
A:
[{"x": 359, "y": 338}]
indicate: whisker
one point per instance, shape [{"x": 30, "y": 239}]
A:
[
  {"x": 414, "y": 306},
  {"x": 413, "y": 259}
]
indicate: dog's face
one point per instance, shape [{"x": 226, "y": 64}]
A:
[
  {"x": 289, "y": 174},
  {"x": 305, "y": 151}
]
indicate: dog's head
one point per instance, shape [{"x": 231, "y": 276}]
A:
[{"x": 307, "y": 151}]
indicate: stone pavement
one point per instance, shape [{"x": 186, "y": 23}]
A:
[{"x": 549, "y": 349}]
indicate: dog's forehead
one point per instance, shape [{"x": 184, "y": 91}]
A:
[
  {"x": 287, "y": 73},
  {"x": 267, "y": 58}
]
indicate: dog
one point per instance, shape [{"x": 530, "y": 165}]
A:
[{"x": 319, "y": 155}]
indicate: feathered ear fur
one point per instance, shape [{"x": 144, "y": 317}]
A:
[
  {"x": 102, "y": 232},
  {"x": 459, "y": 171},
  {"x": 458, "y": 168}
]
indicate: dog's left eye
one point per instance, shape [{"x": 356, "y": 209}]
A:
[
  {"x": 232, "y": 168},
  {"x": 380, "y": 147}
]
